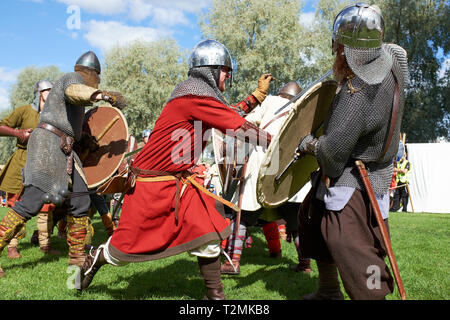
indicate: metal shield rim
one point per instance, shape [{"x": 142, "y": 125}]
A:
[
  {"x": 270, "y": 151},
  {"x": 96, "y": 184}
]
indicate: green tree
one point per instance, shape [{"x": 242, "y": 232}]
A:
[
  {"x": 421, "y": 28},
  {"x": 146, "y": 74},
  {"x": 267, "y": 36},
  {"x": 21, "y": 93}
]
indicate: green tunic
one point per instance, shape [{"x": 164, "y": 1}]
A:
[{"x": 24, "y": 117}]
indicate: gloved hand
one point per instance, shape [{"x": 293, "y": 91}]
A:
[
  {"x": 22, "y": 135},
  {"x": 116, "y": 99},
  {"x": 308, "y": 145},
  {"x": 263, "y": 86}
]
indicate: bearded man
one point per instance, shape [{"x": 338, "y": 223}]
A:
[
  {"x": 338, "y": 227},
  {"x": 52, "y": 166},
  {"x": 168, "y": 212}
]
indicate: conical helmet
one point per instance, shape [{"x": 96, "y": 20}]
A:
[
  {"x": 290, "y": 89},
  {"x": 90, "y": 60}
]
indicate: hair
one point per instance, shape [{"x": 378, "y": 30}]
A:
[{"x": 341, "y": 69}]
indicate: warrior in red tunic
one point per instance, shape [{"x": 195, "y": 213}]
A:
[{"x": 167, "y": 212}]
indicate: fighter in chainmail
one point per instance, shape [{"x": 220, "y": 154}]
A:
[
  {"x": 167, "y": 212},
  {"x": 52, "y": 167},
  {"x": 337, "y": 223}
]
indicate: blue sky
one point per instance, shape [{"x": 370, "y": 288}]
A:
[{"x": 57, "y": 32}]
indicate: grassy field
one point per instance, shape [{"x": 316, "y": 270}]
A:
[{"x": 421, "y": 244}]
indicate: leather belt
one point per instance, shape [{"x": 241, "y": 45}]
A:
[
  {"x": 182, "y": 179},
  {"x": 66, "y": 143}
]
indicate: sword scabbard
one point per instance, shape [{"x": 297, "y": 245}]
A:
[{"x": 384, "y": 234}]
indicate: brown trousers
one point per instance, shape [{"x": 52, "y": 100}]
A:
[{"x": 350, "y": 238}]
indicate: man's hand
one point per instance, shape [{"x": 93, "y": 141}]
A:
[
  {"x": 263, "y": 86},
  {"x": 116, "y": 99},
  {"x": 23, "y": 135}
]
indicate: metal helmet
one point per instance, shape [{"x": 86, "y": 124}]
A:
[
  {"x": 90, "y": 60},
  {"x": 42, "y": 85},
  {"x": 358, "y": 26},
  {"x": 211, "y": 53},
  {"x": 38, "y": 87},
  {"x": 290, "y": 90}
]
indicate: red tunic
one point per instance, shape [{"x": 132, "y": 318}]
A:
[{"x": 147, "y": 229}]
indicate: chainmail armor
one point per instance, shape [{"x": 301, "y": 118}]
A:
[
  {"x": 46, "y": 163},
  {"x": 201, "y": 82},
  {"x": 358, "y": 129}
]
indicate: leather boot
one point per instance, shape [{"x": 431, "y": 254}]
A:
[
  {"x": 210, "y": 270},
  {"x": 227, "y": 268},
  {"x": 329, "y": 287},
  {"x": 45, "y": 227},
  {"x": 62, "y": 224},
  {"x": 93, "y": 262},
  {"x": 78, "y": 234},
  {"x": 108, "y": 223},
  {"x": 12, "y": 251},
  {"x": 2, "y": 273}
]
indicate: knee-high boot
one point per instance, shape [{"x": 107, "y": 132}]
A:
[
  {"x": 329, "y": 286},
  {"x": 10, "y": 225},
  {"x": 210, "y": 270},
  {"x": 78, "y": 235}
]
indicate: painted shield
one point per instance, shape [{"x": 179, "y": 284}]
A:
[
  {"x": 305, "y": 117},
  {"x": 110, "y": 127}
]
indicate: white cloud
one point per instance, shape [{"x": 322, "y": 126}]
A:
[
  {"x": 169, "y": 17},
  {"x": 102, "y": 7},
  {"x": 106, "y": 34},
  {"x": 8, "y": 75},
  {"x": 139, "y": 10}
]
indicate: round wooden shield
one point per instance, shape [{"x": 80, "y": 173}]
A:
[
  {"x": 110, "y": 127},
  {"x": 305, "y": 117}
]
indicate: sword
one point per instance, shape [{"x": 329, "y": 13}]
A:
[
  {"x": 384, "y": 234},
  {"x": 326, "y": 75}
]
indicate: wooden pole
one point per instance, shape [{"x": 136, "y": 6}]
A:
[{"x": 384, "y": 234}]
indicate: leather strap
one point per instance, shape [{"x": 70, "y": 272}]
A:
[
  {"x": 275, "y": 118},
  {"x": 393, "y": 117}
]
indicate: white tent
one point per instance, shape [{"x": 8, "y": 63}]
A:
[{"x": 430, "y": 177}]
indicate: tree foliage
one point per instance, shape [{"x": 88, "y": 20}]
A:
[
  {"x": 146, "y": 74},
  {"x": 21, "y": 94},
  {"x": 266, "y": 36},
  {"x": 421, "y": 28}
]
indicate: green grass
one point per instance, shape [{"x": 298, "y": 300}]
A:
[{"x": 420, "y": 241}]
